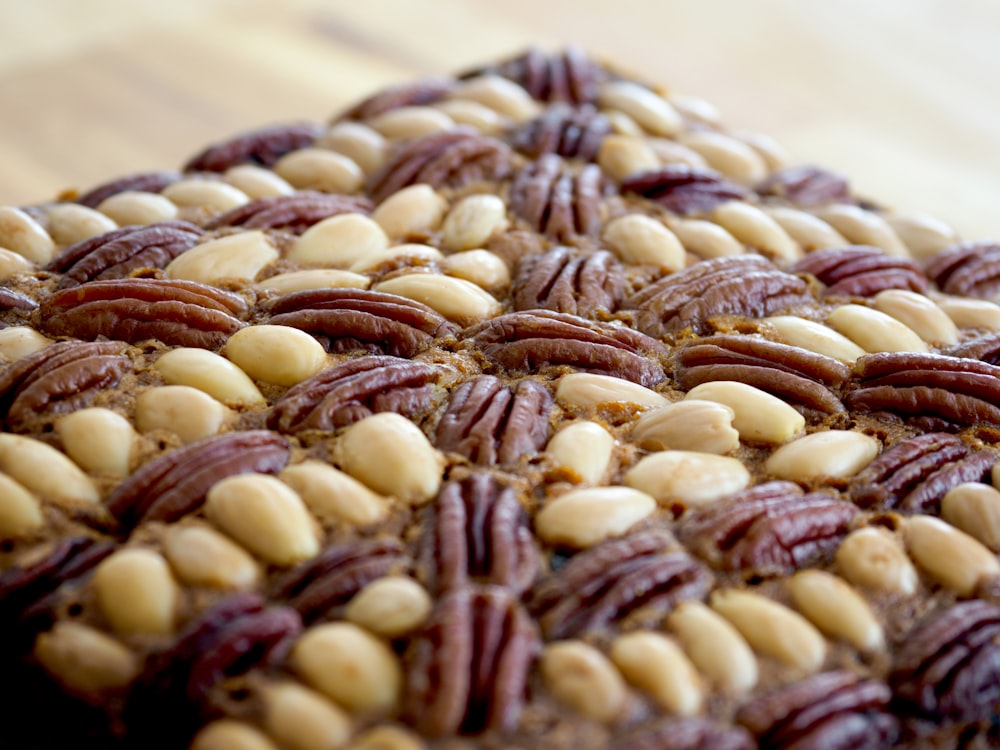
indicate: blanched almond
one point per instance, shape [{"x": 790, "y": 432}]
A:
[
  {"x": 688, "y": 478},
  {"x": 759, "y": 416},
  {"x": 694, "y": 425},
  {"x": 829, "y": 454},
  {"x": 584, "y": 517},
  {"x": 584, "y": 447}
]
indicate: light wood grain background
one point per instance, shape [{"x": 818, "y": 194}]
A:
[{"x": 901, "y": 95}]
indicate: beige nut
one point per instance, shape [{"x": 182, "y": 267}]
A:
[
  {"x": 585, "y": 390},
  {"x": 84, "y": 659},
  {"x": 862, "y": 227},
  {"x": 414, "y": 252},
  {"x": 230, "y": 734},
  {"x": 188, "y": 412},
  {"x": 44, "y": 471},
  {"x": 456, "y": 299},
  {"x": 332, "y": 495},
  {"x": 388, "y": 738},
  {"x": 264, "y": 515},
  {"x": 919, "y": 314},
  {"x": 836, "y": 608},
  {"x": 583, "y": 447},
  {"x": 365, "y": 146},
  {"x": 20, "y": 512},
  {"x": 275, "y": 354},
  {"x": 257, "y": 182},
  {"x": 211, "y": 196},
  {"x": 134, "y": 208},
  {"x": 830, "y": 454},
  {"x": 808, "y": 231},
  {"x": 467, "y": 112},
  {"x": 320, "y": 169},
  {"x": 775, "y": 155},
  {"x": 339, "y": 241},
  {"x": 693, "y": 425},
  {"x": 136, "y": 592},
  {"x": 650, "y": 110},
  {"x": 499, "y": 94},
  {"x": 390, "y": 606},
  {"x": 772, "y": 629},
  {"x": 12, "y": 264},
  {"x": 584, "y": 517},
  {"x": 949, "y": 556},
  {"x": 669, "y": 151},
  {"x": 472, "y": 221},
  {"x": 715, "y": 647},
  {"x": 758, "y": 416},
  {"x": 416, "y": 210},
  {"x": 688, "y": 478},
  {"x": 23, "y": 235},
  {"x": 696, "y": 108},
  {"x": 405, "y": 123},
  {"x": 349, "y": 666},
  {"x": 584, "y": 679},
  {"x": 644, "y": 241},
  {"x": 705, "y": 239},
  {"x": 730, "y": 156},
  {"x": 17, "y": 342},
  {"x": 622, "y": 156},
  {"x": 922, "y": 235},
  {"x": 971, "y": 313},
  {"x": 313, "y": 278},
  {"x": 753, "y": 227},
  {"x": 302, "y": 719},
  {"x": 873, "y": 557},
  {"x": 480, "y": 267},
  {"x": 392, "y": 456},
  {"x": 815, "y": 337},
  {"x": 201, "y": 556},
  {"x": 655, "y": 664},
  {"x": 69, "y": 223},
  {"x": 237, "y": 256},
  {"x": 974, "y": 508},
  {"x": 211, "y": 373},
  {"x": 98, "y": 440},
  {"x": 875, "y": 331}
]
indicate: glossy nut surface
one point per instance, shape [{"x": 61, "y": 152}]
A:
[
  {"x": 84, "y": 659},
  {"x": 583, "y": 447},
  {"x": 391, "y": 606},
  {"x": 98, "y": 440},
  {"x": 332, "y": 495},
  {"x": 208, "y": 372},
  {"x": 136, "y": 592},
  {"x": 688, "y": 478},
  {"x": 189, "y": 413},
  {"x": 584, "y": 679},
  {"x": 275, "y": 354},
  {"x": 201, "y": 556},
  {"x": 584, "y": 517}
]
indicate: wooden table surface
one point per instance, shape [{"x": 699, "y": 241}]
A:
[{"x": 901, "y": 95}]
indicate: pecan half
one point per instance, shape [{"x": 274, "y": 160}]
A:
[
  {"x": 830, "y": 711},
  {"x": 526, "y": 341},
  {"x": 145, "y": 182},
  {"x": 176, "y": 483},
  {"x": 556, "y": 200},
  {"x": 115, "y": 254},
  {"x": 451, "y": 158},
  {"x": 579, "y": 285},
  {"x": 296, "y": 212},
  {"x": 11, "y": 300},
  {"x": 571, "y": 132},
  {"x": 985, "y": 348},
  {"x": 790, "y": 373},
  {"x": 745, "y": 285},
  {"x": 27, "y": 593},
  {"x": 568, "y": 76},
  {"x": 969, "y": 269},
  {"x": 683, "y": 189},
  {"x": 771, "y": 529},
  {"x": 861, "y": 271},
  {"x": 948, "y": 667},
  {"x": 178, "y": 313},
  {"x": 959, "y": 391},
  {"x": 490, "y": 424},
  {"x": 806, "y": 185},
  {"x": 469, "y": 667},
  {"x": 609, "y": 581},
  {"x": 685, "y": 733},
  {"x": 477, "y": 530},
  {"x": 344, "y": 320},
  {"x": 354, "y": 390},
  {"x": 263, "y": 147},
  {"x": 319, "y": 587},
  {"x": 424, "y": 91},
  {"x": 917, "y": 472},
  {"x": 58, "y": 379}
]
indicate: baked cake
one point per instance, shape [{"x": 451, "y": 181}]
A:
[{"x": 528, "y": 408}]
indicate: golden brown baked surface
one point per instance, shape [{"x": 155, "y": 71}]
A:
[{"x": 532, "y": 407}]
